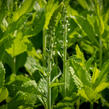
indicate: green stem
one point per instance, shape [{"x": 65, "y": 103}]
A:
[
  {"x": 91, "y": 105},
  {"x": 50, "y": 69},
  {"x": 100, "y": 52},
  {"x": 65, "y": 53},
  {"x": 44, "y": 46},
  {"x": 64, "y": 64},
  {"x": 49, "y": 81},
  {"x": 49, "y": 93},
  {"x": 14, "y": 65},
  {"x": 78, "y": 104},
  {"x": 49, "y": 96}
]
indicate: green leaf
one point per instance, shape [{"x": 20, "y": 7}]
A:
[
  {"x": 89, "y": 62},
  {"x": 38, "y": 23},
  {"x": 87, "y": 28},
  {"x": 42, "y": 91},
  {"x": 19, "y": 45},
  {"x": 89, "y": 94},
  {"x": 106, "y": 17},
  {"x": 83, "y": 94},
  {"x": 64, "y": 105},
  {"x": 42, "y": 3},
  {"x": 33, "y": 65},
  {"x": 23, "y": 98},
  {"x": 26, "y": 6},
  {"x": 83, "y": 3},
  {"x": 80, "y": 72},
  {"x": 20, "y": 60},
  {"x": 80, "y": 55},
  {"x": 23, "y": 107},
  {"x": 77, "y": 81},
  {"x": 54, "y": 93},
  {"x": 70, "y": 83},
  {"x": 102, "y": 86},
  {"x": 9, "y": 60},
  {"x": 3, "y": 94},
  {"x": 29, "y": 86},
  {"x": 102, "y": 27},
  {"x": 71, "y": 11},
  {"x": 87, "y": 47},
  {"x": 56, "y": 84},
  {"x": 95, "y": 75},
  {"x": 35, "y": 25},
  {"x": 103, "y": 73},
  {"x": 15, "y": 83},
  {"x": 51, "y": 7},
  {"x": 23, "y": 91}
]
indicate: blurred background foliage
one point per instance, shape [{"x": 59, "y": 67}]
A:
[{"x": 32, "y": 36}]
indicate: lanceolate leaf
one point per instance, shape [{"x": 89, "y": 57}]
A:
[
  {"x": 103, "y": 73},
  {"x": 80, "y": 55},
  {"x": 77, "y": 81},
  {"x": 26, "y": 6},
  {"x": 83, "y": 3},
  {"x": 56, "y": 84},
  {"x": 95, "y": 74},
  {"x": 35, "y": 25},
  {"x": 51, "y": 7},
  {"x": 87, "y": 28},
  {"x": 102, "y": 86},
  {"x": 42, "y": 3},
  {"x": 81, "y": 72}
]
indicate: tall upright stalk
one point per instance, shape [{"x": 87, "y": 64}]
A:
[
  {"x": 51, "y": 35},
  {"x": 64, "y": 25},
  {"x": 50, "y": 62},
  {"x": 49, "y": 45},
  {"x": 44, "y": 46}
]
